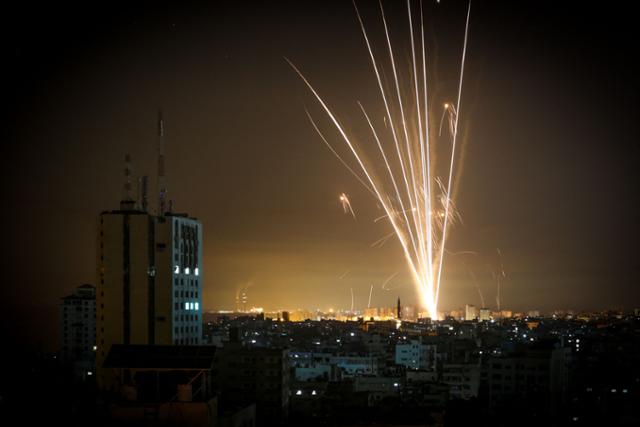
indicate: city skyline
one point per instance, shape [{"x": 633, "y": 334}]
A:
[{"x": 547, "y": 182}]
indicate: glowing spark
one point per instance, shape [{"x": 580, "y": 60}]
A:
[
  {"x": 416, "y": 202},
  {"x": 346, "y": 205}
]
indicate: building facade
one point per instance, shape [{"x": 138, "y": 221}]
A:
[
  {"x": 149, "y": 280},
  {"x": 416, "y": 355},
  {"x": 77, "y": 330},
  {"x": 245, "y": 375}
]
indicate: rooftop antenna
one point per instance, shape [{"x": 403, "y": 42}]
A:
[
  {"x": 162, "y": 185},
  {"x": 144, "y": 193},
  {"x": 127, "y": 202}
]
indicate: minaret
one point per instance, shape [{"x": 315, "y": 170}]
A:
[
  {"x": 162, "y": 185},
  {"x": 399, "y": 309}
]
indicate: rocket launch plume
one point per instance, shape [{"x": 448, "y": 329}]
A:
[{"x": 416, "y": 202}]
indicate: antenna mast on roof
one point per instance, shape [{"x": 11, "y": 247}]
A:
[{"x": 162, "y": 185}]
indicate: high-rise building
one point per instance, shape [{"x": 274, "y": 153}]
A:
[
  {"x": 485, "y": 314},
  {"x": 149, "y": 274},
  {"x": 77, "y": 335}
]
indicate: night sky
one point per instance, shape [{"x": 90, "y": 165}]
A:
[{"x": 549, "y": 121}]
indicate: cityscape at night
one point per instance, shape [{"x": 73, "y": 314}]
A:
[{"x": 349, "y": 213}]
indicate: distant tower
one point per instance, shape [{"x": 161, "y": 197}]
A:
[
  {"x": 162, "y": 184},
  {"x": 242, "y": 299},
  {"x": 399, "y": 309}
]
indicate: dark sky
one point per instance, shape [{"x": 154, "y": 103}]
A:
[{"x": 550, "y": 155}]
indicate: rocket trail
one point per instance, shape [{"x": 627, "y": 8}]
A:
[
  {"x": 346, "y": 204},
  {"x": 370, "y": 293},
  {"x": 416, "y": 202},
  {"x": 476, "y": 284},
  {"x": 351, "y": 311},
  {"x": 384, "y": 284},
  {"x": 378, "y": 243},
  {"x": 499, "y": 278}
]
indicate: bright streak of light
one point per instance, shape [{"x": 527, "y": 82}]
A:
[
  {"x": 346, "y": 205},
  {"x": 416, "y": 202}
]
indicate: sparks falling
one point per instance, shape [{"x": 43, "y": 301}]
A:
[{"x": 416, "y": 202}]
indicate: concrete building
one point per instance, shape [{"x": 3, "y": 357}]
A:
[
  {"x": 354, "y": 365},
  {"x": 485, "y": 314},
  {"x": 377, "y": 388},
  {"x": 259, "y": 375},
  {"x": 414, "y": 354},
  {"x": 463, "y": 380},
  {"x": 77, "y": 330},
  {"x": 314, "y": 367},
  {"x": 539, "y": 375},
  {"x": 163, "y": 386},
  {"x": 470, "y": 312},
  {"x": 149, "y": 274}
]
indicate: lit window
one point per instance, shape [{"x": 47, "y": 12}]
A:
[
  {"x": 89, "y": 373},
  {"x": 186, "y": 270},
  {"x": 95, "y": 348},
  {"x": 186, "y": 306},
  {"x": 299, "y": 393},
  {"x": 313, "y": 393},
  {"x": 176, "y": 270},
  {"x": 197, "y": 306},
  {"x": 196, "y": 271}
]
